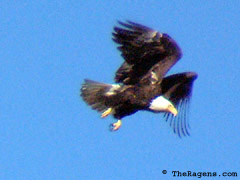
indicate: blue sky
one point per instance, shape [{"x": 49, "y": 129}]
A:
[{"x": 48, "y": 132}]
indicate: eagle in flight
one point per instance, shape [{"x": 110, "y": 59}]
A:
[{"x": 141, "y": 83}]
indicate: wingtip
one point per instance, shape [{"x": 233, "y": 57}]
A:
[
  {"x": 124, "y": 24},
  {"x": 133, "y": 25},
  {"x": 192, "y": 75}
]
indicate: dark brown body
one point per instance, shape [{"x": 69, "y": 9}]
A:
[{"x": 131, "y": 99}]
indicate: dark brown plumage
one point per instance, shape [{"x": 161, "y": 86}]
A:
[
  {"x": 142, "y": 48},
  {"x": 142, "y": 84}
]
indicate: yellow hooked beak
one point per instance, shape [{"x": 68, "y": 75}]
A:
[{"x": 173, "y": 110}]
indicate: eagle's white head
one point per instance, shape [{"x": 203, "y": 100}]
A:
[{"x": 161, "y": 104}]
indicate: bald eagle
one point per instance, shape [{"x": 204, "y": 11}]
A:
[{"x": 140, "y": 81}]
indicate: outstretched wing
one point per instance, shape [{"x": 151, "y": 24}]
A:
[
  {"x": 178, "y": 89},
  {"x": 142, "y": 48}
]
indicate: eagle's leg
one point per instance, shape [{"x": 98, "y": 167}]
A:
[
  {"x": 115, "y": 126},
  {"x": 106, "y": 113}
]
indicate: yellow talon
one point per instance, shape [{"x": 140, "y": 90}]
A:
[
  {"x": 115, "y": 126},
  {"x": 106, "y": 113}
]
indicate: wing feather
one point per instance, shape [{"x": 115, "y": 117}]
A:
[
  {"x": 142, "y": 48},
  {"x": 178, "y": 89}
]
